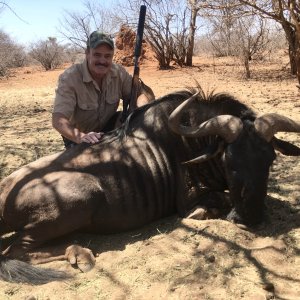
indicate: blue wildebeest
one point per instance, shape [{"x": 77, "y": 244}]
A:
[{"x": 141, "y": 172}]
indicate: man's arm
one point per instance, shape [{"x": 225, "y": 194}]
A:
[{"x": 62, "y": 124}]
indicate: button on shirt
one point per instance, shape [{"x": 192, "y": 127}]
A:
[{"x": 88, "y": 106}]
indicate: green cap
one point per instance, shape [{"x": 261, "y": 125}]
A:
[{"x": 98, "y": 38}]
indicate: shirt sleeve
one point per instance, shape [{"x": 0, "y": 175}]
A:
[{"x": 65, "y": 97}]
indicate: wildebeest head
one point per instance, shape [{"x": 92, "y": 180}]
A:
[{"x": 245, "y": 151}]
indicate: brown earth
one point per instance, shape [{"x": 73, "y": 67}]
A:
[{"x": 172, "y": 258}]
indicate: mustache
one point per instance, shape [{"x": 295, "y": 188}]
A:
[{"x": 100, "y": 64}]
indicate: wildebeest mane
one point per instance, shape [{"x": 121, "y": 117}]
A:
[
  {"x": 216, "y": 103},
  {"x": 124, "y": 129},
  {"x": 223, "y": 103}
]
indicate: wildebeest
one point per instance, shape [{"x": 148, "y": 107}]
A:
[{"x": 155, "y": 165}]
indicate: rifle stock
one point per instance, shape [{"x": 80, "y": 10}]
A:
[{"x": 130, "y": 105}]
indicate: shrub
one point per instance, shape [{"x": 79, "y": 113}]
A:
[
  {"x": 11, "y": 54},
  {"x": 49, "y": 53}
]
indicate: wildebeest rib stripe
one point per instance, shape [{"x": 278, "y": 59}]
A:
[
  {"x": 166, "y": 194},
  {"x": 150, "y": 199},
  {"x": 160, "y": 187},
  {"x": 126, "y": 194},
  {"x": 137, "y": 184}
]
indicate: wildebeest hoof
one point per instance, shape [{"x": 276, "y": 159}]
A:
[
  {"x": 198, "y": 213},
  {"x": 80, "y": 257},
  {"x": 201, "y": 213}
]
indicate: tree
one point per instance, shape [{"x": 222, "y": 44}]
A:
[
  {"x": 160, "y": 20},
  {"x": 194, "y": 8},
  {"x": 222, "y": 15},
  {"x": 11, "y": 54},
  {"x": 2, "y": 6},
  {"x": 250, "y": 37},
  {"x": 175, "y": 28},
  {"x": 76, "y": 27},
  {"x": 236, "y": 31},
  {"x": 287, "y": 14},
  {"x": 166, "y": 28},
  {"x": 169, "y": 27},
  {"x": 49, "y": 53}
]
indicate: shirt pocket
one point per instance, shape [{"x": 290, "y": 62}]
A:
[
  {"x": 86, "y": 112},
  {"x": 85, "y": 116},
  {"x": 87, "y": 106},
  {"x": 112, "y": 95},
  {"x": 88, "y": 99}
]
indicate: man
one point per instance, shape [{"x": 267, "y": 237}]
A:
[{"x": 88, "y": 94}]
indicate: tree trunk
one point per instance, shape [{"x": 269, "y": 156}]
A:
[
  {"x": 292, "y": 58},
  {"x": 294, "y": 55},
  {"x": 247, "y": 67},
  {"x": 297, "y": 63},
  {"x": 297, "y": 37},
  {"x": 293, "y": 46},
  {"x": 191, "y": 38}
]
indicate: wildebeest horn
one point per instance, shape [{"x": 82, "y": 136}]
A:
[
  {"x": 269, "y": 124},
  {"x": 226, "y": 126}
]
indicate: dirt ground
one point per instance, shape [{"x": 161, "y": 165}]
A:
[{"x": 172, "y": 258}]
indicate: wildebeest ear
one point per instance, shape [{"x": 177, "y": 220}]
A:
[{"x": 285, "y": 148}]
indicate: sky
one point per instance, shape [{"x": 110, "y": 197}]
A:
[{"x": 36, "y": 19}]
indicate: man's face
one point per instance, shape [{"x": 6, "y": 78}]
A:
[{"x": 99, "y": 60}]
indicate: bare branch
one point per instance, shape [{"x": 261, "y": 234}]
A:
[
  {"x": 77, "y": 26},
  {"x": 5, "y": 5}
]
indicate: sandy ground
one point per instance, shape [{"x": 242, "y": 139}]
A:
[{"x": 172, "y": 258}]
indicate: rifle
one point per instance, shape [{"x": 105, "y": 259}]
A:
[{"x": 128, "y": 106}]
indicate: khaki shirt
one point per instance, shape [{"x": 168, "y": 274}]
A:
[{"x": 88, "y": 106}]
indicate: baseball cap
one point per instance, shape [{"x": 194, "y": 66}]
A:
[{"x": 98, "y": 38}]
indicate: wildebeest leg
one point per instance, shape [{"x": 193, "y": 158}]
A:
[
  {"x": 78, "y": 256},
  {"x": 59, "y": 208},
  {"x": 210, "y": 205}
]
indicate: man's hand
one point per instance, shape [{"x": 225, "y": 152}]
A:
[
  {"x": 91, "y": 137},
  {"x": 62, "y": 124}
]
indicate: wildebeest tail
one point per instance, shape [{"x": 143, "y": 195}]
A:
[{"x": 21, "y": 272}]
